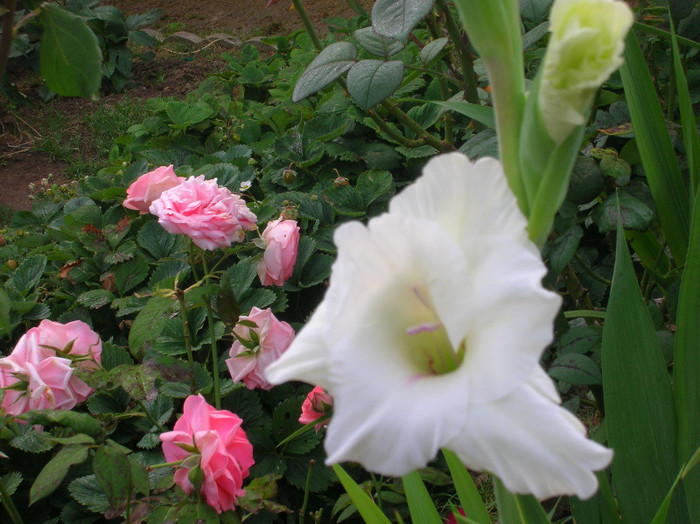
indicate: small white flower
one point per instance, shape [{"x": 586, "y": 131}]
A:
[
  {"x": 430, "y": 335},
  {"x": 585, "y": 48},
  {"x": 245, "y": 185}
]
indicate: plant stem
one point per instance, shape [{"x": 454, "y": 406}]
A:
[
  {"x": 299, "y": 8},
  {"x": 307, "y": 486},
  {"x": 392, "y": 133},
  {"x": 186, "y": 336},
  {"x": 414, "y": 126},
  {"x": 8, "y": 20},
  {"x": 9, "y": 505},
  {"x": 150, "y": 417},
  {"x": 214, "y": 349}
]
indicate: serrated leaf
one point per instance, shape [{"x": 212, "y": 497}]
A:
[
  {"x": 316, "y": 270},
  {"x": 397, "y": 18},
  {"x": 185, "y": 114},
  {"x": 377, "y": 44},
  {"x": 27, "y": 275},
  {"x": 51, "y": 475},
  {"x": 577, "y": 369},
  {"x": 30, "y": 441},
  {"x": 564, "y": 248},
  {"x": 371, "y": 81},
  {"x": 156, "y": 240},
  {"x": 11, "y": 480},
  {"x": 86, "y": 491},
  {"x": 149, "y": 324},
  {"x": 95, "y": 298},
  {"x": 635, "y": 214},
  {"x": 113, "y": 472},
  {"x": 329, "y": 65},
  {"x": 70, "y": 58},
  {"x": 130, "y": 274},
  {"x": 579, "y": 340}
]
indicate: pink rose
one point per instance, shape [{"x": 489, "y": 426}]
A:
[
  {"x": 210, "y": 215},
  {"x": 281, "y": 239},
  {"x": 255, "y": 348},
  {"x": 317, "y": 404},
  {"x": 223, "y": 451},
  {"x": 40, "y": 367},
  {"x": 148, "y": 187}
]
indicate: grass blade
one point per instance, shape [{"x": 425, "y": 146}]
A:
[
  {"x": 638, "y": 399},
  {"x": 469, "y": 497},
  {"x": 518, "y": 509},
  {"x": 686, "y": 369},
  {"x": 367, "y": 508},
  {"x": 420, "y": 504},
  {"x": 655, "y": 148}
]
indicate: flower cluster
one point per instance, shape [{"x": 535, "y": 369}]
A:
[
  {"x": 433, "y": 326},
  {"x": 260, "y": 340},
  {"x": 38, "y": 373},
  {"x": 213, "y": 450}
]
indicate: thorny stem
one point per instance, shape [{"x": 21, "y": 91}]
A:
[
  {"x": 212, "y": 334},
  {"x": 150, "y": 417},
  {"x": 414, "y": 126},
  {"x": 392, "y": 133}
]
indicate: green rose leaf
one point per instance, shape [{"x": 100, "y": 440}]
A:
[
  {"x": 330, "y": 63},
  {"x": 70, "y": 59},
  {"x": 432, "y": 50},
  {"x": 635, "y": 214},
  {"x": 51, "y": 476},
  {"x": 371, "y": 81},
  {"x": 576, "y": 368},
  {"x": 113, "y": 471}
]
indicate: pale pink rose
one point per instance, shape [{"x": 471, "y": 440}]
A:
[
  {"x": 281, "y": 239},
  {"x": 210, "y": 215},
  {"x": 39, "y": 379},
  {"x": 266, "y": 343},
  {"x": 148, "y": 187},
  {"x": 316, "y": 404},
  {"x": 224, "y": 452}
]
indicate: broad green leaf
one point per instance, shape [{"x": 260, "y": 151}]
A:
[
  {"x": 638, "y": 398},
  {"x": 70, "y": 58},
  {"x": 130, "y": 274},
  {"x": 149, "y": 323},
  {"x": 156, "y": 240},
  {"x": 51, "y": 476},
  {"x": 564, "y": 248},
  {"x": 95, "y": 298},
  {"x": 367, "y": 508},
  {"x": 686, "y": 369},
  {"x": 420, "y": 504},
  {"x": 577, "y": 369},
  {"x": 113, "y": 471},
  {"x": 534, "y": 10},
  {"x": 635, "y": 214},
  {"x": 517, "y": 509},
  {"x": 27, "y": 275},
  {"x": 185, "y": 114},
  {"x": 371, "y": 81},
  {"x": 330, "y": 63},
  {"x": 579, "y": 340},
  {"x": 432, "y": 49},
  {"x": 691, "y": 139},
  {"x": 469, "y": 497},
  {"x": 482, "y": 114},
  {"x": 377, "y": 44},
  {"x": 662, "y": 513},
  {"x": 655, "y": 148},
  {"x": 602, "y": 507},
  {"x": 397, "y": 18}
]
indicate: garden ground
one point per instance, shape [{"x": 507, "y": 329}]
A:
[{"x": 52, "y": 141}]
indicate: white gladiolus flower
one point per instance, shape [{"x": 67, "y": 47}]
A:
[
  {"x": 585, "y": 48},
  {"x": 430, "y": 336}
]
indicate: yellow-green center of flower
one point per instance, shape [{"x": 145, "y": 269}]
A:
[{"x": 429, "y": 344}]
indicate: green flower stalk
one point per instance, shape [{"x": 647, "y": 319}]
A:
[
  {"x": 586, "y": 47},
  {"x": 493, "y": 27}
]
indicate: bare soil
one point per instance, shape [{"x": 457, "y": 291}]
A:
[{"x": 170, "y": 74}]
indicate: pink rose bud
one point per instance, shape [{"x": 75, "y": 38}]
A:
[
  {"x": 222, "y": 453},
  {"x": 148, "y": 187},
  {"x": 255, "y": 348},
  {"x": 210, "y": 215},
  {"x": 452, "y": 520},
  {"x": 281, "y": 239},
  {"x": 317, "y": 404},
  {"x": 39, "y": 371}
]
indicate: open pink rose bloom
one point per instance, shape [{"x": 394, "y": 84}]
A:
[
  {"x": 281, "y": 243},
  {"x": 210, "y": 215},
  {"x": 42, "y": 363},
  {"x": 149, "y": 186},
  {"x": 316, "y": 404},
  {"x": 225, "y": 454},
  {"x": 267, "y": 342}
]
